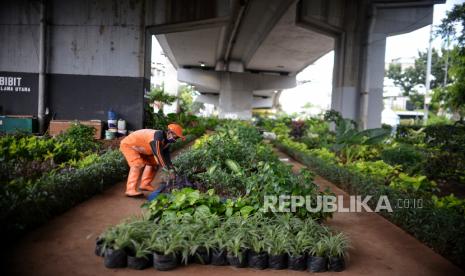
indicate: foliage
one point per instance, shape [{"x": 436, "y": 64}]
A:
[
  {"x": 407, "y": 156},
  {"x": 26, "y": 203},
  {"x": 441, "y": 228},
  {"x": 450, "y": 202},
  {"x": 75, "y": 143},
  {"x": 377, "y": 169},
  {"x": 158, "y": 94},
  {"x": 186, "y": 100},
  {"x": 81, "y": 137},
  {"x": 235, "y": 162},
  {"x": 419, "y": 183},
  {"x": 455, "y": 95},
  {"x": 324, "y": 154},
  {"x": 347, "y": 137},
  {"x": 410, "y": 77},
  {"x": 189, "y": 201},
  {"x": 336, "y": 245}
]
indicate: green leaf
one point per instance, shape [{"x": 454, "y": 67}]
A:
[{"x": 246, "y": 210}]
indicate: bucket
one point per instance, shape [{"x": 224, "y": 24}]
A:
[
  {"x": 121, "y": 125},
  {"x": 109, "y": 135},
  {"x": 112, "y": 123}
]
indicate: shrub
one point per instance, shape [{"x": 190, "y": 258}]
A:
[
  {"x": 440, "y": 228},
  {"x": 27, "y": 203},
  {"x": 407, "y": 156}
]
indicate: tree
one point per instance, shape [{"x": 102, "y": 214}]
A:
[
  {"x": 186, "y": 99},
  {"x": 454, "y": 94},
  {"x": 415, "y": 75}
]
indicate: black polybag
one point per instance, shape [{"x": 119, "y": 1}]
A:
[
  {"x": 139, "y": 263},
  {"x": 317, "y": 264},
  {"x": 165, "y": 262},
  {"x": 99, "y": 248},
  {"x": 237, "y": 261},
  {"x": 201, "y": 256},
  {"x": 277, "y": 261},
  {"x": 218, "y": 257},
  {"x": 336, "y": 264},
  {"x": 297, "y": 262},
  {"x": 258, "y": 260},
  {"x": 115, "y": 258}
]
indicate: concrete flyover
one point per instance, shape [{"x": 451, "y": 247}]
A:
[{"x": 79, "y": 58}]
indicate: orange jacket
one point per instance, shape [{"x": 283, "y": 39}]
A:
[{"x": 138, "y": 151}]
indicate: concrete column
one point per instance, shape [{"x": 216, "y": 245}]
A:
[
  {"x": 236, "y": 97},
  {"x": 371, "y": 98},
  {"x": 235, "y": 90},
  {"x": 359, "y": 60}
]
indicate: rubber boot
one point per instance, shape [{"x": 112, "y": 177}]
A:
[
  {"x": 147, "y": 178},
  {"x": 131, "y": 185}
]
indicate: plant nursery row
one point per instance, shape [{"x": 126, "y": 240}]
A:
[
  {"x": 41, "y": 177},
  {"x": 376, "y": 162},
  {"x": 212, "y": 214}
]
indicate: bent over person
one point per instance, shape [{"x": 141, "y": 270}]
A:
[{"x": 144, "y": 150}]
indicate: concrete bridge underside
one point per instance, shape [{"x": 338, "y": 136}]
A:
[{"x": 79, "y": 58}]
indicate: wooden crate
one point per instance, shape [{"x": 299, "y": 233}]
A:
[{"x": 59, "y": 126}]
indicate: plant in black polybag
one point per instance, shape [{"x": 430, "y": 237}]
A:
[
  {"x": 139, "y": 255},
  {"x": 277, "y": 237},
  {"x": 317, "y": 261},
  {"x": 257, "y": 256},
  {"x": 218, "y": 252},
  {"x": 116, "y": 241},
  {"x": 336, "y": 246}
]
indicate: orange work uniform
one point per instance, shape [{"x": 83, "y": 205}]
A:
[{"x": 141, "y": 155}]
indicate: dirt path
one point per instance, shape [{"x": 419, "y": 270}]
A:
[{"x": 65, "y": 245}]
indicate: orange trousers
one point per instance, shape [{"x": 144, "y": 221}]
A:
[{"x": 139, "y": 163}]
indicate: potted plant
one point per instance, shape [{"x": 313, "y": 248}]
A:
[
  {"x": 337, "y": 246},
  {"x": 298, "y": 249},
  {"x": 278, "y": 241},
  {"x": 116, "y": 242},
  {"x": 163, "y": 245},
  {"x": 200, "y": 244},
  {"x": 237, "y": 250},
  {"x": 317, "y": 261},
  {"x": 218, "y": 252},
  {"x": 139, "y": 257},
  {"x": 257, "y": 256}
]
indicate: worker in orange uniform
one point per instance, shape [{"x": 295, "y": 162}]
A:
[{"x": 144, "y": 150}]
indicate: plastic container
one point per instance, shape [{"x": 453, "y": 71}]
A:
[
  {"x": 111, "y": 115},
  {"x": 112, "y": 124},
  {"x": 121, "y": 124},
  {"x": 109, "y": 135}
]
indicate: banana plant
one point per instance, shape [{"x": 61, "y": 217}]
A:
[{"x": 348, "y": 138}]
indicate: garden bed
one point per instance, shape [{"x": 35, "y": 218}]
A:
[
  {"x": 440, "y": 228},
  {"x": 223, "y": 222},
  {"x": 42, "y": 177}
]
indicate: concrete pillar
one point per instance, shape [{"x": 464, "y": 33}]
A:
[
  {"x": 235, "y": 97},
  {"x": 235, "y": 90},
  {"x": 359, "y": 59},
  {"x": 371, "y": 98}
]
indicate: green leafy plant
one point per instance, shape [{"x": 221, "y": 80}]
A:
[
  {"x": 413, "y": 183},
  {"x": 336, "y": 245}
]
